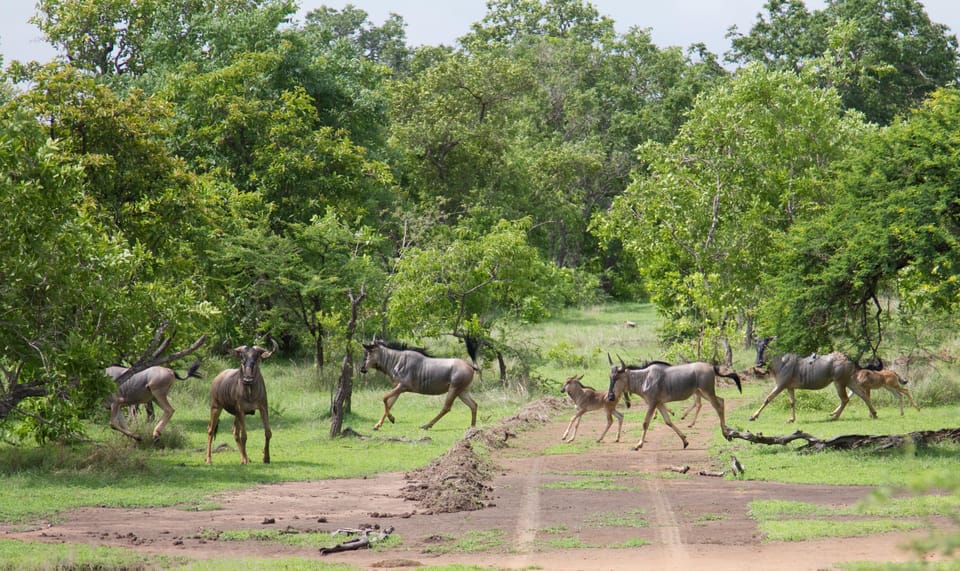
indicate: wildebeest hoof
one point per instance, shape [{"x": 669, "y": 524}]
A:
[{"x": 685, "y": 444}]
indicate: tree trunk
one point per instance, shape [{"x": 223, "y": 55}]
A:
[
  {"x": 503, "y": 368},
  {"x": 341, "y": 400}
]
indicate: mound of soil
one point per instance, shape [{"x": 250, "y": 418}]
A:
[{"x": 460, "y": 479}]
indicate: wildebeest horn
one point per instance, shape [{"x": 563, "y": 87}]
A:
[
  {"x": 609, "y": 359},
  {"x": 622, "y": 364},
  {"x": 266, "y": 354}
]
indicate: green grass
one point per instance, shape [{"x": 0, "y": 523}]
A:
[
  {"x": 806, "y": 529},
  {"x": 471, "y": 542},
  {"x": 25, "y": 556},
  {"x": 630, "y": 518},
  {"x": 781, "y": 520}
]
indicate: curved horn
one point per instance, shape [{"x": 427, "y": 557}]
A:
[
  {"x": 609, "y": 359},
  {"x": 622, "y": 364},
  {"x": 266, "y": 354}
]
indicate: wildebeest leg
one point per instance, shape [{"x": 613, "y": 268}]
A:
[
  {"x": 646, "y": 424},
  {"x": 844, "y": 399},
  {"x": 665, "y": 413},
  {"x": 773, "y": 394},
  {"x": 610, "y": 415},
  {"x": 575, "y": 424},
  {"x": 793, "y": 405},
  {"x": 240, "y": 435},
  {"x": 695, "y": 408},
  {"x": 212, "y": 430},
  {"x": 118, "y": 422},
  {"x": 164, "y": 419},
  {"x": 718, "y": 406},
  {"x": 266, "y": 432},
  {"x": 619, "y": 424},
  {"x": 388, "y": 400},
  {"x": 858, "y": 390},
  {"x": 466, "y": 399},
  {"x": 447, "y": 405}
]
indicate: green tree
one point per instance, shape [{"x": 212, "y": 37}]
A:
[
  {"x": 72, "y": 292},
  {"x": 465, "y": 286},
  {"x": 893, "y": 232},
  {"x": 883, "y": 56},
  {"x": 707, "y": 213}
]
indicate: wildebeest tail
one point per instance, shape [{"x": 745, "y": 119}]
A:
[
  {"x": 191, "y": 372},
  {"x": 473, "y": 345},
  {"x": 731, "y": 375}
]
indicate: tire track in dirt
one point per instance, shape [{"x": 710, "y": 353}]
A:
[
  {"x": 665, "y": 519},
  {"x": 528, "y": 520}
]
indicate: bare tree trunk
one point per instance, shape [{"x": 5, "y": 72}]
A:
[
  {"x": 503, "y": 368},
  {"x": 341, "y": 402}
]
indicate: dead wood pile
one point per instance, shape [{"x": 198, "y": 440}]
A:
[{"x": 853, "y": 441}]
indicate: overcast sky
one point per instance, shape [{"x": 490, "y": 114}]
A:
[{"x": 432, "y": 22}]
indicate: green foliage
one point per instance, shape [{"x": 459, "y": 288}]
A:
[
  {"x": 892, "y": 231},
  {"x": 883, "y": 56},
  {"x": 704, "y": 218}
]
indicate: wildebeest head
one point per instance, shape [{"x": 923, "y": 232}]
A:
[
  {"x": 250, "y": 358},
  {"x": 370, "y": 355},
  {"x": 616, "y": 371}
]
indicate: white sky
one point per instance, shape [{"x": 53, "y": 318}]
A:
[{"x": 432, "y": 22}]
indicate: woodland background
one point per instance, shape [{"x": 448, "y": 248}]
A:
[{"x": 218, "y": 168}]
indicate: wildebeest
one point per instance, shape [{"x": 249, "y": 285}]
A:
[
  {"x": 241, "y": 392},
  {"x": 659, "y": 383},
  {"x": 144, "y": 387},
  {"x": 587, "y": 399},
  {"x": 815, "y": 372},
  {"x": 412, "y": 370},
  {"x": 884, "y": 379}
]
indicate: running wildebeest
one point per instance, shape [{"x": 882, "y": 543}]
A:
[
  {"x": 815, "y": 372},
  {"x": 414, "y": 371},
  {"x": 144, "y": 387},
  {"x": 659, "y": 383},
  {"x": 241, "y": 392}
]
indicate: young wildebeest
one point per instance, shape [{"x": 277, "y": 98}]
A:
[
  {"x": 588, "y": 399},
  {"x": 241, "y": 392},
  {"x": 814, "y": 373},
  {"x": 414, "y": 371},
  {"x": 659, "y": 383},
  {"x": 144, "y": 387},
  {"x": 884, "y": 379}
]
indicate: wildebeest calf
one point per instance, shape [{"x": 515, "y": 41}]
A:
[{"x": 241, "y": 392}]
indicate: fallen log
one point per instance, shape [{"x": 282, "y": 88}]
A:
[
  {"x": 369, "y": 537},
  {"x": 851, "y": 441}
]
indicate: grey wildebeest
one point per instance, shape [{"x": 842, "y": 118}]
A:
[
  {"x": 412, "y": 370},
  {"x": 659, "y": 383},
  {"x": 241, "y": 392},
  {"x": 144, "y": 387},
  {"x": 791, "y": 372},
  {"x": 884, "y": 379},
  {"x": 587, "y": 399}
]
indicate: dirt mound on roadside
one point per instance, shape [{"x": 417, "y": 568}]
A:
[{"x": 459, "y": 480}]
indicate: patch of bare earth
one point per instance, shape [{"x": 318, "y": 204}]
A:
[{"x": 694, "y": 522}]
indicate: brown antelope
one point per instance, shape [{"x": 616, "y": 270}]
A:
[
  {"x": 659, "y": 383},
  {"x": 412, "y": 370},
  {"x": 241, "y": 392},
  {"x": 884, "y": 379},
  {"x": 588, "y": 399}
]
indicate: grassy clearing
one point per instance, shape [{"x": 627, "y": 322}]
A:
[
  {"x": 471, "y": 542},
  {"x": 18, "y": 555}
]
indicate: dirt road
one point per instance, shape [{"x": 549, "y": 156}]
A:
[{"x": 536, "y": 514}]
